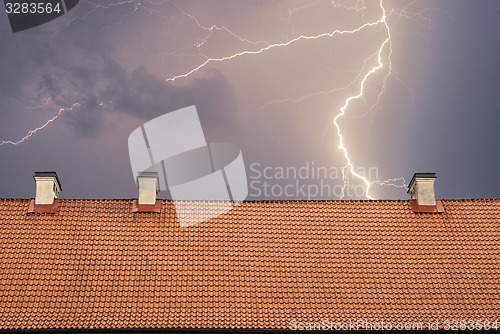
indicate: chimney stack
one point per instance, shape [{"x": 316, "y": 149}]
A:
[
  {"x": 148, "y": 184},
  {"x": 48, "y": 187},
  {"x": 421, "y": 188}
]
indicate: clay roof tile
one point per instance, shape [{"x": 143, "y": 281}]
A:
[{"x": 94, "y": 264}]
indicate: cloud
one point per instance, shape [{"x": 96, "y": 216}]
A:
[{"x": 99, "y": 83}]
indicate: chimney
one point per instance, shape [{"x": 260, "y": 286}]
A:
[
  {"x": 48, "y": 187},
  {"x": 148, "y": 184},
  {"x": 421, "y": 188}
]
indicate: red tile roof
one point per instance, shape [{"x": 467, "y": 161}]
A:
[{"x": 96, "y": 264}]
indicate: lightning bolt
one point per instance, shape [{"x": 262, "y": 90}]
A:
[
  {"x": 386, "y": 47},
  {"x": 382, "y": 62},
  {"x": 382, "y": 56},
  {"x": 95, "y": 9},
  {"x": 349, "y": 167},
  {"x": 32, "y": 132},
  {"x": 272, "y": 46}
]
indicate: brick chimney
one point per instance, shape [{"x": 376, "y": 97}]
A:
[
  {"x": 423, "y": 198},
  {"x": 421, "y": 189},
  {"x": 148, "y": 184},
  {"x": 48, "y": 187}
]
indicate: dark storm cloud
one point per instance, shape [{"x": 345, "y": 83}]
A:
[
  {"x": 74, "y": 73},
  {"x": 107, "y": 87},
  {"x": 147, "y": 96}
]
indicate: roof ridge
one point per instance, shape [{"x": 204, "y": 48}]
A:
[{"x": 269, "y": 200}]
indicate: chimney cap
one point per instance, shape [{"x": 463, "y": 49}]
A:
[
  {"x": 420, "y": 176},
  {"x": 49, "y": 174},
  {"x": 147, "y": 174}
]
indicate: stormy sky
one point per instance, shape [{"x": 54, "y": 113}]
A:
[{"x": 267, "y": 76}]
